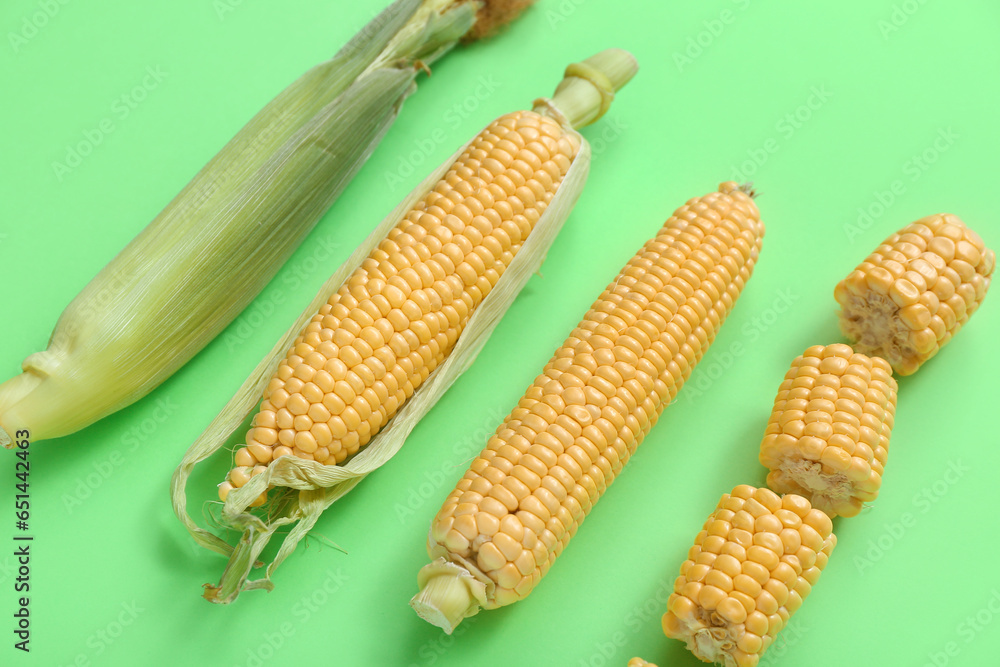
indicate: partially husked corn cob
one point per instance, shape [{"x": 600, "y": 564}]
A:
[
  {"x": 910, "y": 296},
  {"x": 397, "y": 317},
  {"x": 828, "y": 436},
  {"x": 524, "y": 497},
  {"x": 397, "y": 323},
  {"x": 755, "y": 560}
]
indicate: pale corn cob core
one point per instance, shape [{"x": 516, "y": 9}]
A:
[
  {"x": 828, "y": 436},
  {"x": 398, "y": 316},
  {"x": 753, "y": 563},
  {"x": 910, "y": 296},
  {"x": 526, "y": 494}
]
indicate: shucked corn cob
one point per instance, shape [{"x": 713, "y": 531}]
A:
[
  {"x": 755, "y": 560},
  {"x": 393, "y": 322},
  {"x": 214, "y": 247},
  {"x": 910, "y": 296},
  {"x": 523, "y": 498},
  {"x": 828, "y": 436},
  {"x": 400, "y": 320}
]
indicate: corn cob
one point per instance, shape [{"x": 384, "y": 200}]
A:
[
  {"x": 910, "y": 296},
  {"x": 217, "y": 244},
  {"x": 400, "y": 320},
  {"x": 524, "y": 497},
  {"x": 828, "y": 436},
  {"x": 753, "y": 563},
  {"x": 639, "y": 662},
  {"x": 399, "y": 314}
]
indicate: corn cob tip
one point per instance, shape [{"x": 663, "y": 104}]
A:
[
  {"x": 639, "y": 662},
  {"x": 444, "y": 600},
  {"x": 493, "y": 16}
]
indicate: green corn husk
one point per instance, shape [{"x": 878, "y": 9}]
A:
[
  {"x": 198, "y": 264},
  {"x": 577, "y": 102}
]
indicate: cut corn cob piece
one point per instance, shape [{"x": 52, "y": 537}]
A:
[
  {"x": 828, "y": 436},
  {"x": 910, "y": 296},
  {"x": 524, "y": 497},
  {"x": 391, "y": 330},
  {"x": 195, "y": 267},
  {"x": 755, "y": 560}
]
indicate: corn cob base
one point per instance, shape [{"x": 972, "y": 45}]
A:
[
  {"x": 918, "y": 288},
  {"x": 754, "y": 562}
]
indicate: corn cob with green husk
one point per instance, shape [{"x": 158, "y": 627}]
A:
[
  {"x": 397, "y": 324},
  {"x": 214, "y": 247}
]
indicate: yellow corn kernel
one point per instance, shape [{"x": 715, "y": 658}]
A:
[
  {"x": 588, "y": 410},
  {"x": 729, "y": 608},
  {"x": 910, "y": 296},
  {"x": 828, "y": 436}
]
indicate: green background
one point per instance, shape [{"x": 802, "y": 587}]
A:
[{"x": 852, "y": 118}]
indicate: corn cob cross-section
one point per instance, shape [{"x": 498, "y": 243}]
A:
[
  {"x": 828, "y": 436},
  {"x": 753, "y": 563},
  {"x": 526, "y": 494},
  {"x": 919, "y": 287}
]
